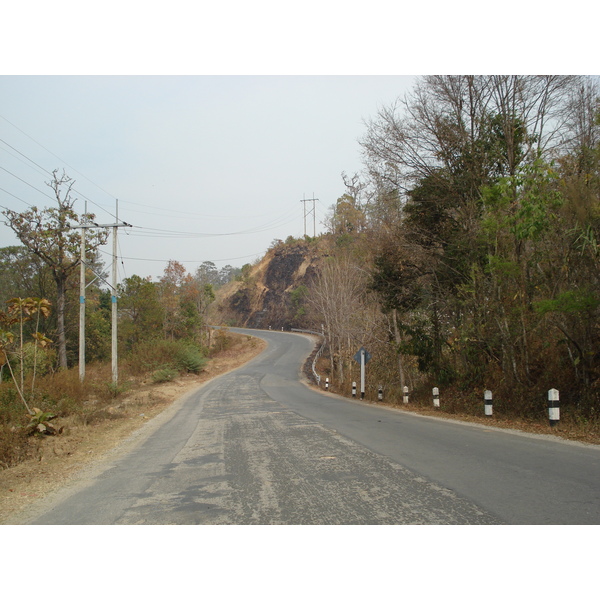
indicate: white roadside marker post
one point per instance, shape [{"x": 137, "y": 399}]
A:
[
  {"x": 553, "y": 407},
  {"x": 436, "y": 397},
  {"x": 380, "y": 394},
  {"x": 354, "y": 389},
  {"x": 405, "y": 394},
  {"x": 326, "y": 384},
  {"x": 488, "y": 403}
]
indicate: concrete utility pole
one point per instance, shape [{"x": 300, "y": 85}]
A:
[
  {"x": 362, "y": 357},
  {"x": 113, "y": 286},
  {"x": 82, "y": 304},
  {"x": 312, "y": 210},
  {"x": 113, "y": 354}
]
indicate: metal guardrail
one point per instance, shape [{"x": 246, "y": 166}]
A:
[{"x": 318, "y": 354}]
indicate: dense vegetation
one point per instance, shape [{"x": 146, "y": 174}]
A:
[
  {"x": 466, "y": 256},
  {"x": 162, "y": 332}
]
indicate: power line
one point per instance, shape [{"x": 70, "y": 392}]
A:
[
  {"x": 187, "y": 214},
  {"x": 17, "y": 197},
  {"x": 180, "y": 215},
  {"x": 47, "y": 172},
  {"x": 155, "y": 232},
  {"x": 24, "y": 156},
  {"x": 164, "y": 260},
  {"x": 27, "y": 183},
  {"x": 121, "y": 257},
  {"x": 56, "y": 156},
  {"x": 140, "y": 230},
  {"x": 184, "y": 214}
]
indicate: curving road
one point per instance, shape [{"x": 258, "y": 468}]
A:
[{"x": 257, "y": 446}]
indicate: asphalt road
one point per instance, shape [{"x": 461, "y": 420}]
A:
[{"x": 257, "y": 446}]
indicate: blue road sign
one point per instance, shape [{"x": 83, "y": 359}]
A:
[{"x": 366, "y": 353}]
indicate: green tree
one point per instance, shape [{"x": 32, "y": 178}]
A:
[
  {"x": 207, "y": 272},
  {"x": 226, "y": 274},
  {"x": 347, "y": 217},
  {"x": 194, "y": 299},
  {"x": 97, "y": 325},
  {"x": 170, "y": 287},
  {"x": 141, "y": 312},
  {"x": 23, "y": 274},
  {"x": 463, "y": 297}
]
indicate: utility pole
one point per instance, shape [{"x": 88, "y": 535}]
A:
[
  {"x": 312, "y": 210},
  {"x": 82, "y": 303},
  {"x": 362, "y": 357},
  {"x": 113, "y": 354},
  {"x": 113, "y": 286}
]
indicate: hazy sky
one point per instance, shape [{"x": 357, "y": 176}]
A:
[{"x": 206, "y": 168}]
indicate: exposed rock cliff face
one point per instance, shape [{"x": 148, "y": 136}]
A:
[{"x": 269, "y": 294}]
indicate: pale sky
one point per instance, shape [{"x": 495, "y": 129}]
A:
[{"x": 206, "y": 168}]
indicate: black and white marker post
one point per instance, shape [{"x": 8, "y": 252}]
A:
[
  {"x": 405, "y": 394},
  {"x": 553, "y": 407},
  {"x": 436, "y": 397},
  {"x": 354, "y": 389},
  {"x": 487, "y": 395}
]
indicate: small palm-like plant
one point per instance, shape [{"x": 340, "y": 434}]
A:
[
  {"x": 39, "y": 422},
  {"x": 19, "y": 311}
]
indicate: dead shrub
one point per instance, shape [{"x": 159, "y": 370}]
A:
[
  {"x": 221, "y": 341},
  {"x": 14, "y": 446}
]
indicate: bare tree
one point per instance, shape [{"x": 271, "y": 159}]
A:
[
  {"x": 582, "y": 122},
  {"x": 337, "y": 299},
  {"x": 448, "y": 119},
  {"x": 48, "y": 235}
]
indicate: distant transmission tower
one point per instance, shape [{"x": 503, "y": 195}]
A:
[{"x": 308, "y": 212}]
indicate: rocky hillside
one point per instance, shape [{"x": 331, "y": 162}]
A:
[{"x": 269, "y": 294}]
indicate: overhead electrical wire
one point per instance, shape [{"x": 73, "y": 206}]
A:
[
  {"x": 27, "y": 183},
  {"x": 163, "y": 260},
  {"x": 17, "y": 197},
  {"x": 154, "y": 232},
  {"x": 45, "y": 171},
  {"x": 49, "y": 172},
  {"x": 184, "y": 214},
  {"x": 169, "y": 211},
  {"x": 56, "y": 156},
  {"x": 121, "y": 259},
  {"x": 24, "y": 156},
  {"x": 140, "y": 231}
]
